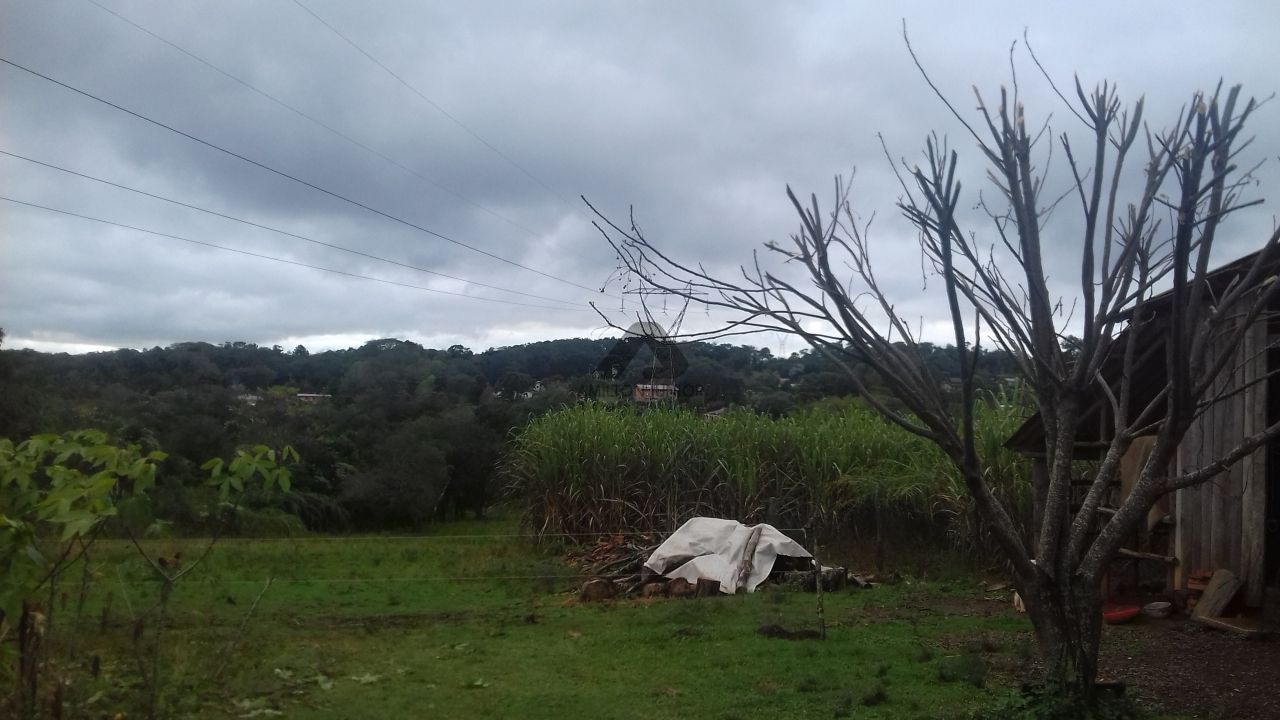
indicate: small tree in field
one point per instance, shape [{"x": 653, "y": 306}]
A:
[
  {"x": 57, "y": 495},
  {"x": 994, "y": 277}
]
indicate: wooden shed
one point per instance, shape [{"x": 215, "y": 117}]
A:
[{"x": 1232, "y": 521}]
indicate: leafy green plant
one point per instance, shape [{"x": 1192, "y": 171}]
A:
[
  {"x": 969, "y": 668},
  {"x": 875, "y": 695},
  {"x": 1043, "y": 702},
  {"x": 257, "y": 467},
  {"x": 57, "y": 493},
  {"x": 55, "y": 489}
]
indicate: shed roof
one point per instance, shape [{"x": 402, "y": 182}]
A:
[{"x": 1094, "y": 430}]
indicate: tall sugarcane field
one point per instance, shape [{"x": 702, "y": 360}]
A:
[{"x": 618, "y": 469}]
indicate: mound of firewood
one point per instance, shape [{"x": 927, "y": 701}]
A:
[{"x": 617, "y": 558}]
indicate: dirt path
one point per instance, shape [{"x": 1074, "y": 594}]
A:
[
  {"x": 1174, "y": 666},
  {"x": 1186, "y": 669}
]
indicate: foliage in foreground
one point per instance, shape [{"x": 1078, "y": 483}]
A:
[
  {"x": 472, "y": 621},
  {"x": 1042, "y": 702},
  {"x": 592, "y": 468},
  {"x": 57, "y": 495}
]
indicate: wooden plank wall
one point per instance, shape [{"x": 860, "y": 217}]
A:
[
  {"x": 1253, "y": 506},
  {"x": 1220, "y": 523}
]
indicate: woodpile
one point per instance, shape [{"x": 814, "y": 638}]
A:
[
  {"x": 648, "y": 585},
  {"x": 615, "y": 554},
  {"x": 615, "y": 564}
]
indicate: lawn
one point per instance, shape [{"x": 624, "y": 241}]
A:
[{"x": 472, "y": 621}]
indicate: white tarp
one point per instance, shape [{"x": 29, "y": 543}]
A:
[{"x": 713, "y": 548}]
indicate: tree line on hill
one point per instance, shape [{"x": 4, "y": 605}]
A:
[{"x": 390, "y": 434}]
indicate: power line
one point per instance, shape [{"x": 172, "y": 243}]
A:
[
  {"x": 294, "y": 178},
  {"x": 440, "y": 109},
  {"x": 250, "y": 223},
  {"x": 277, "y": 259},
  {"x": 408, "y": 579},
  {"x": 467, "y": 536},
  {"x": 316, "y": 121}
]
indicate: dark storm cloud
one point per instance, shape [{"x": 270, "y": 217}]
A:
[{"x": 696, "y": 115}]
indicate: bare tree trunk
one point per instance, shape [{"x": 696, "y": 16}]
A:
[
  {"x": 29, "y": 634},
  {"x": 1067, "y": 618},
  {"x": 1148, "y": 360}
]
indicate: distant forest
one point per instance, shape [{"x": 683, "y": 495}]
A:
[{"x": 391, "y": 434}]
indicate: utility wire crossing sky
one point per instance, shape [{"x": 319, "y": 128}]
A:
[{"x": 324, "y": 163}]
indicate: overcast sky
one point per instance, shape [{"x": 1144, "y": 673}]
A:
[{"x": 696, "y": 114}]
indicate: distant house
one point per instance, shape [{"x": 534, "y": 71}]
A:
[
  {"x": 653, "y": 392},
  {"x": 512, "y": 394},
  {"x": 312, "y": 397},
  {"x": 527, "y": 394}
]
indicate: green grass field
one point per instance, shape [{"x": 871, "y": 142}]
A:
[{"x": 471, "y": 622}]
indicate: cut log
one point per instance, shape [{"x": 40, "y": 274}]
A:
[
  {"x": 1246, "y": 628},
  {"x": 598, "y": 589},
  {"x": 653, "y": 590},
  {"x": 680, "y": 588},
  {"x": 1223, "y": 586},
  {"x": 707, "y": 587}
]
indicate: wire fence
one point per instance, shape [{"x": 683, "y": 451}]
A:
[
  {"x": 277, "y": 580},
  {"x": 397, "y": 538},
  {"x": 585, "y": 573}
]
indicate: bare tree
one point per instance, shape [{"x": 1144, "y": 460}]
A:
[{"x": 1154, "y": 248}]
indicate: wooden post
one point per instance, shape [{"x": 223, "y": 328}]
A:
[
  {"x": 817, "y": 586},
  {"x": 879, "y": 537}
]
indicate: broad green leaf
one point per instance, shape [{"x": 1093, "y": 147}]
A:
[
  {"x": 34, "y": 554},
  {"x": 136, "y": 511},
  {"x": 78, "y": 524}
]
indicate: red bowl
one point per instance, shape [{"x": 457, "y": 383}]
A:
[{"x": 1120, "y": 613}]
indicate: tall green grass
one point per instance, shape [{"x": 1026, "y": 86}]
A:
[{"x": 592, "y": 468}]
